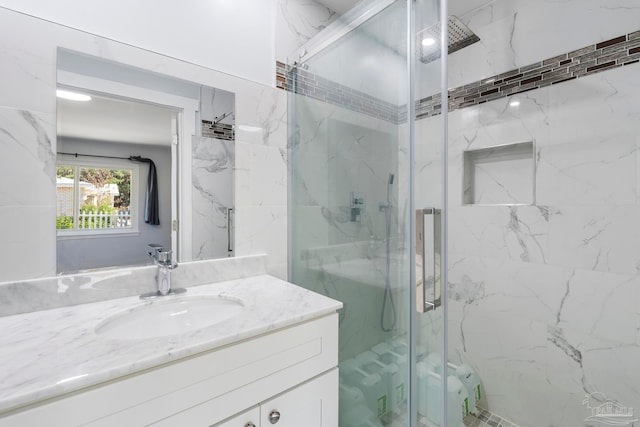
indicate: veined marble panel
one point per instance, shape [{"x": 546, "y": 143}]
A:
[
  {"x": 242, "y": 173},
  {"x": 27, "y": 157},
  {"x": 261, "y": 117},
  {"x": 216, "y": 103},
  {"x": 579, "y": 364},
  {"x": 213, "y": 189},
  {"x": 263, "y": 229},
  {"x": 511, "y": 232},
  {"x": 297, "y": 21},
  {"x": 28, "y": 68},
  {"x": 548, "y": 327},
  {"x": 601, "y": 107},
  {"x": 600, "y": 238},
  {"x": 28, "y": 242},
  {"x": 268, "y": 176},
  {"x": 590, "y": 172},
  {"x": 499, "y": 123},
  {"x": 602, "y": 305}
]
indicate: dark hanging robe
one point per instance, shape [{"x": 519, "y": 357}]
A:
[{"x": 151, "y": 206}]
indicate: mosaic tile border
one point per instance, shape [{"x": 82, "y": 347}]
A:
[
  {"x": 317, "y": 87},
  {"x": 218, "y": 130},
  {"x": 606, "y": 55}
]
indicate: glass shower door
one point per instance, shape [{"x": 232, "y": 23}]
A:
[{"x": 352, "y": 217}]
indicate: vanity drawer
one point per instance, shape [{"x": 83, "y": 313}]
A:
[{"x": 229, "y": 379}]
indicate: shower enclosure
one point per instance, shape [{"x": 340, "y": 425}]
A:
[{"x": 492, "y": 229}]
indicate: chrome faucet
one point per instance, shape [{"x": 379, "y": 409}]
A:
[{"x": 165, "y": 264}]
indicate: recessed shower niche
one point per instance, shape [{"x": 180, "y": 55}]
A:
[{"x": 500, "y": 175}]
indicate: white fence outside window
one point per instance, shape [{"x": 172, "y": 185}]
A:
[{"x": 102, "y": 220}]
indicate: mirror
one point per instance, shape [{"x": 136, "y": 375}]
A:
[
  {"x": 141, "y": 159},
  {"x": 34, "y": 65}
]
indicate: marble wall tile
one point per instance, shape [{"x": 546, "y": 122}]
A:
[
  {"x": 548, "y": 313},
  {"x": 268, "y": 176},
  {"x": 499, "y": 123},
  {"x": 216, "y": 103},
  {"x": 565, "y": 283},
  {"x": 28, "y": 77},
  {"x": 602, "y": 305},
  {"x": 479, "y": 302},
  {"x": 213, "y": 188},
  {"x": 601, "y": 107},
  {"x": 638, "y": 165},
  {"x": 297, "y": 21},
  {"x": 600, "y": 238},
  {"x": 261, "y": 117},
  {"x": 27, "y": 150},
  {"x": 580, "y": 363},
  {"x": 264, "y": 230},
  {"x": 589, "y": 172},
  {"x": 28, "y": 241},
  {"x": 512, "y": 232},
  {"x": 242, "y": 173},
  {"x": 543, "y": 325}
]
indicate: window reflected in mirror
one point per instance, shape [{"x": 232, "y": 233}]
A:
[{"x": 93, "y": 199}]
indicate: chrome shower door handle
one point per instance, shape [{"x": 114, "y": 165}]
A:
[
  {"x": 428, "y": 259},
  {"x": 230, "y": 225}
]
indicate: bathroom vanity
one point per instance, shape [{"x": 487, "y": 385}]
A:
[{"x": 272, "y": 360}]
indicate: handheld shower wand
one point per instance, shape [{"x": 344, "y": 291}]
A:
[{"x": 388, "y": 205}]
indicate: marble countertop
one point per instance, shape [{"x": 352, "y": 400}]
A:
[{"x": 48, "y": 353}]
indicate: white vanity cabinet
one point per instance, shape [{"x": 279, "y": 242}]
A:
[
  {"x": 292, "y": 370},
  {"x": 313, "y": 404},
  {"x": 250, "y": 418}
]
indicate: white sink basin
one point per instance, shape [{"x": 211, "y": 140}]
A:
[{"x": 170, "y": 316}]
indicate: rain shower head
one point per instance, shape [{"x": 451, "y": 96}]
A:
[
  {"x": 460, "y": 36},
  {"x": 218, "y": 119}
]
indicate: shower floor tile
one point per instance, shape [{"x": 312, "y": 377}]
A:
[
  {"x": 487, "y": 419},
  {"x": 483, "y": 419}
]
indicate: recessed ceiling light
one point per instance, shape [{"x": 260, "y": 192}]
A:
[
  {"x": 73, "y": 96},
  {"x": 514, "y": 103},
  {"x": 428, "y": 42}
]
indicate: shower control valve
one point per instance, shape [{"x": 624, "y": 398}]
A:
[{"x": 356, "y": 205}]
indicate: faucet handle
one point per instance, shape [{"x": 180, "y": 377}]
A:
[
  {"x": 165, "y": 259},
  {"x": 164, "y": 256},
  {"x": 155, "y": 249}
]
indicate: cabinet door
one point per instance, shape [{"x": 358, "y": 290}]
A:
[
  {"x": 248, "y": 418},
  {"x": 312, "y": 404}
]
